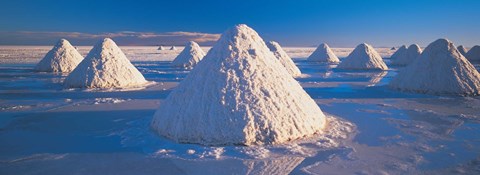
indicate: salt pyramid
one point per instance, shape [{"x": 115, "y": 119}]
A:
[
  {"x": 173, "y": 48},
  {"x": 239, "y": 94},
  {"x": 161, "y": 48},
  {"x": 62, "y": 58},
  {"x": 440, "y": 69},
  {"x": 393, "y": 48},
  {"x": 408, "y": 56},
  {"x": 105, "y": 67},
  {"x": 401, "y": 52},
  {"x": 190, "y": 55},
  {"x": 323, "y": 53},
  {"x": 363, "y": 57},
  {"x": 286, "y": 61},
  {"x": 462, "y": 50},
  {"x": 473, "y": 54}
]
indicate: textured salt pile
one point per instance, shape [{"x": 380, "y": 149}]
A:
[
  {"x": 282, "y": 56},
  {"x": 323, "y": 53},
  {"x": 62, "y": 58},
  {"x": 440, "y": 69},
  {"x": 105, "y": 66},
  {"x": 473, "y": 54},
  {"x": 239, "y": 94},
  {"x": 190, "y": 55},
  {"x": 401, "y": 52},
  {"x": 363, "y": 57},
  {"x": 462, "y": 50},
  {"x": 408, "y": 56}
]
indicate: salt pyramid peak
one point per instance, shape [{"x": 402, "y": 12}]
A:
[
  {"x": 239, "y": 94},
  {"x": 473, "y": 54},
  {"x": 401, "y": 52},
  {"x": 363, "y": 57},
  {"x": 105, "y": 66},
  {"x": 283, "y": 57},
  {"x": 190, "y": 56},
  {"x": 462, "y": 50},
  {"x": 323, "y": 53},
  {"x": 63, "y": 57}
]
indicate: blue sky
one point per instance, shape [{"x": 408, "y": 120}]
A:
[{"x": 341, "y": 23}]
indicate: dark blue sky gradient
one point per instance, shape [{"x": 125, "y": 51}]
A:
[{"x": 342, "y": 23}]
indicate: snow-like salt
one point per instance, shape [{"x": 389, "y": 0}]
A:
[
  {"x": 407, "y": 56},
  {"x": 323, "y": 53},
  {"x": 282, "y": 56},
  {"x": 105, "y": 66},
  {"x": 190, "y": 56},
  {"x": 239, "y": 94},
  {"x": 363, "y": 57},
  {"x": 440, "y": 69},
  {"x": 473, "y": 54},
  {"x": 62, "y": 58}
]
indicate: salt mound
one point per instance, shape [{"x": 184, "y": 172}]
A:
[
  {"x": 393, "y": 48},
  {"x": 190, "y": 55},
  {"x": 62, "y": 58},
  {"x": 105, "y": 66},
  {"x": 473, "y": 54},
  {"x": 238, "y": 94},
  {"x": 323, "y": 53},
  {"x": 173, "y": 48},
  {"x": 282, "y": 56},
  {"x": 363, "y": 57},
  {"x": 161, "y": 48},
  {"x": 440, "y": 69},
  {"x": 409, "y": 56},
  {"x": 401, "y": 52},
  {"x": 462, "y": 50}
]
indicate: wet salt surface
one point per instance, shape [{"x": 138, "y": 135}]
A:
[{"x": 45, "y": 129}]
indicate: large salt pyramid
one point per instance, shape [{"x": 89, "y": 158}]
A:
[
  {"x": 239, "y": 94},
  {"x": 473, "y": 54},
  {"x": 286, "y": 61},
  {"x": 62, "y": 58},
  {"x": 462, "y": 50},
  {"x": 323, "y": 53},
  {"x": 363, "y": 57},
  {"x": 190, "y": 55},
  {"x": 409, "y": 56},
  {"x": 440, "y": 69},
  {"x": 106, "y": 66},
  {"x": 401, "y": 52}
]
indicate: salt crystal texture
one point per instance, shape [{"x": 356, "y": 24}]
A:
[
  {"x": 473, "y": 54},
  {"x": 408, "y": 56},
  {"x": 323, "y": 53},
  {"x": 440, "y": 69},
  {"x": 282, "y": 56},
  {"x": 62, "y": 58},
  {"x": 239, "y": 94},
  {"x": 105, "y": 66},
  {"x": 363, "y": 57},
  {"x": 190, "y": 56},
  {"x": 462, "y": 50}
]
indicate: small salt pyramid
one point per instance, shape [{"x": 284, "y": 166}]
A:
[
  {"x": 440, "y": 69},
  {"x": 473, "y": 54},
  {"x": 408, "y": 56},
  {"x": 393, "y": 48},
  {"x": 239, "y": 94},
  {"x": 161, "y": 48},
  {"x": 105, "y": 66},
  {"x": 462, "y": 50},
  {"x": 401, "y": 52},
  {"x": 173, "y": 48},
  {"x": 363, "y": 57},
  {"x": 62, "y": 58},
  {"x": 323, "y": 53},
  {"x": 190, "y": 56},
  {"x": 282, "y": 56}
]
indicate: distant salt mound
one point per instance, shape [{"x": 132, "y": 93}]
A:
[
  {"x": 190, "y": 56},
  {"x": 323, "y": 53},
  {"x": 462, "y": 50},
  {"x": 62, "y": 58},
  {"x": 401, "y": 52},
  {"x": 440, "y": 69},
  {"x": 282, "y": 56},
  {"x": 161, "y": 48},
  {"x": 363, "y": 57},
  {"x": 173, "y": 48},
  {"x": 473, "y": 54},
  {"x": 393, "y": 48},
  {"x": 106, "y": 66},
  {"x": 408, "y": 56},
  {"x": 239, "y": 94}
]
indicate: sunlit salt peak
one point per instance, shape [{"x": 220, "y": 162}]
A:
[
  {"x": 363, "y": 57},
  {"x": 462, "y": 50},
  {"x": 282, "y": 56},
  {"x": 440, "y": 69},
  {"x": 63, "y": 57},
  {"x": 323, "y": 53},
  {"x": 105, "y": 66},
  {"x": 190, "y": 56},
  {"x": 239, "y": 94},
  {"x": 401, "y": 52},
  {"x": 473, "y": 54},
  {"x": 408, "y": 56}
]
